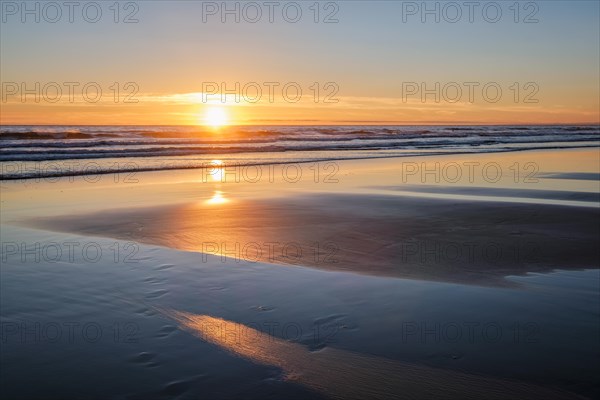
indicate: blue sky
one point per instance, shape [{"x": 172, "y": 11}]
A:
[{"x": 369, "y": 52}]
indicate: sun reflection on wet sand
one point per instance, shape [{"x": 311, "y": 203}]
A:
[
  {"x": 216, "y": 170},
  {"x": 343, "y": 374},
  {"x": 217, "y": 198}
]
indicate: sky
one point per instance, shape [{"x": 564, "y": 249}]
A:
[{"x": 304, "y": 62}]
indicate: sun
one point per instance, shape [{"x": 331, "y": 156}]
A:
[{"x": 215, "y": 117}]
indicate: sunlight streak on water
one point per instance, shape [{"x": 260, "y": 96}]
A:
[{"x": 343, "y": 374}]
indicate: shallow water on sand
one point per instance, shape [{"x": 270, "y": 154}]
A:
[
  {"x": 150, "y": 322},
  {"x": 84, "y": 317}
]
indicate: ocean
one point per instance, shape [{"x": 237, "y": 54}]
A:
[{"x": 52, "y": 151}]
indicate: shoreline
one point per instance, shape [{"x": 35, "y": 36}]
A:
[
  {"x": 244, "y": 164},
  {"x": 370, "y": 221}
]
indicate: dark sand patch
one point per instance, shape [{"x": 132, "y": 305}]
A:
[
  {"x": 591, "y": 197},
  {"x": 432, "y": 239},
  {"x": 579, "y": 176}
]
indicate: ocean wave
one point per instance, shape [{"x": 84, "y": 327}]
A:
[{"x": 255, "y": 143}]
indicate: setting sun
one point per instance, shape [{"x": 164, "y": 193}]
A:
[{"x": 215, "y": 117}]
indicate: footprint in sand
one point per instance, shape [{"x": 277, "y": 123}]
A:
[
  {"x": 166, "y": 331},
  {"x": 177, "y": 388},
  {"x": 156, "y": 294},
  {"x": 146, "y": 359},
  {"x": 154, "y": 280},
  {"x": 163, "y": 267}
]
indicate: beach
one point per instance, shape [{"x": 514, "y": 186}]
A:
[
  {"x": 299, "y": 200},
  {"x": 402, "y": 217},
  {"x": 414, "y": 277}
]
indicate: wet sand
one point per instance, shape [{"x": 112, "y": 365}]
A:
[
  {"x": 169, "y": 324},
  {"x": 401, "y": 236},
  {"x": 400, "y": 217},
  {"x": 502, "y": 300}
]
